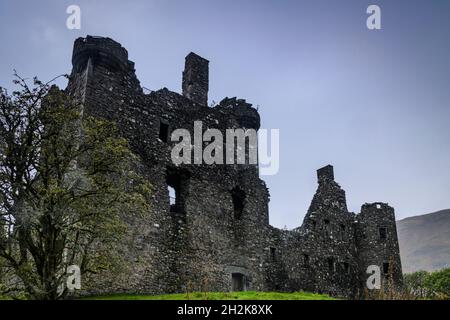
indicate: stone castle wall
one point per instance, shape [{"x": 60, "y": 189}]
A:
[{"x": 216, "y": 236}]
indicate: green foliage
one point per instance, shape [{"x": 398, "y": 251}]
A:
[
  {"x": 244, "y": 295},
  {"x": 439, "y": 283},
  {"x": 426, "y": 285},
  {"x": 65, "y": 181},
  {"x": 415, "y": 283}
]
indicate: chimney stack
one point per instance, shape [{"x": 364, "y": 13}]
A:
[
  {"x": 196, "y": 79},
  {"x": 325, "y": 173}
]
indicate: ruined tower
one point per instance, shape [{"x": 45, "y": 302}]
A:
[
  {"x": 378, "y": 243},
  {"x": 209, "y": 224}
]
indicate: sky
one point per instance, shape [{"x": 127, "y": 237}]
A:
[{"x": 373, "y": 103}]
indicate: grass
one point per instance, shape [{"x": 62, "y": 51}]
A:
[{"x": 245, "y": 295}]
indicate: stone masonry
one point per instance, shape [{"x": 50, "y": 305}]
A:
[{"x": 215, "y": 235}]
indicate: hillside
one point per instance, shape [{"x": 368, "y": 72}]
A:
[{"x": 425, "y": 241}]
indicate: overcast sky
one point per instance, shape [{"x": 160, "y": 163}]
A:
[{"x": 375, "y": 104}]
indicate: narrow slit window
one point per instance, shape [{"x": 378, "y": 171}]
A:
[
  {"x": 175, "y": 192},
  {"x": 383, "y": 234},
  {"x": 172, "y": 195},
  {"x": 326, "y": 227},
  {"x": 330, "y": 263},
  {"x": 238, "y": 197},
  {"x": 163, "y": 132},
  {"x": 346, "y": 267},
  {"x": 386, "y": 268},
  {"x": 342, "y": 231},
  {"x": 273, "y": 254},
  {"x": 305, "y": 260}
]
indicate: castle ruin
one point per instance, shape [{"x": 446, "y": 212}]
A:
[{"x": 215, "y": 233}]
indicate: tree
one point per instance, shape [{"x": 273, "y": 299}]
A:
[
  {"x": 438, "y": 283},
  {"x": 429, "y": 285},
  {"x": 65, "y": 181},
  {"x": 415, "y": 284}
]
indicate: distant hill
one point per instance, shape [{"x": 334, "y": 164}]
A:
[{"x": 425, "y": 241}]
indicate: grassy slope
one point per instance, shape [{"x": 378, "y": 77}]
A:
[{"x": 246, "y": 295}]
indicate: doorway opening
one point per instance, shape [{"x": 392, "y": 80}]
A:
[{"x": 238, "y": 282}]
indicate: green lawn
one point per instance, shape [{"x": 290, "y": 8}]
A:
[{"x": 246, "y": 295}]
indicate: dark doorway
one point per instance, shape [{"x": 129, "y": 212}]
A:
[{"x": 237, "y": 282}]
